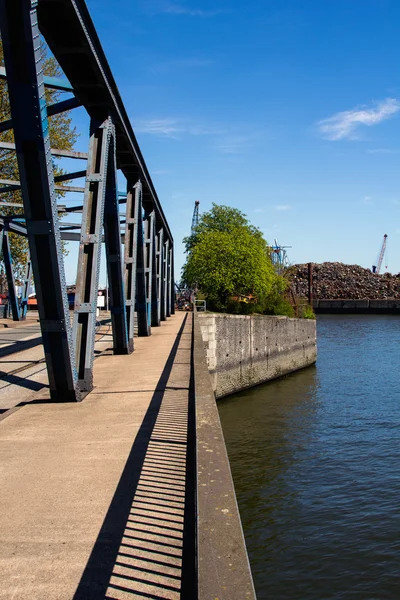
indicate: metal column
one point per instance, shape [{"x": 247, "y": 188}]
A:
[
  {"x": 168, "y": 279},
  {"x": 144, "y": 328},
  {"x": 112, "y": 239},
  {"x": 148, "y": 255},
  {"x": 24, "y": 66},
  {"x": 172, "y": 282},
  {"x": 133, "y": 207},
  {"x": 161, "y": 274},
  {"x": 27, "y": 287},
  {"x": 165, "y": 310},
  {"x": 155, "y": 298},
  {"x": 12, "y": 296},
  {"x": 87, "y": 281}
]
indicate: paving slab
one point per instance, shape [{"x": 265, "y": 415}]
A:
[{"x": 93, "y": 495}]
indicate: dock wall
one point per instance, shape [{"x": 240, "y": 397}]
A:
[
  {"x": 243, "y": 351},
  {"x": 223, "y": 569},
  {"x": 360, "y": 307}
]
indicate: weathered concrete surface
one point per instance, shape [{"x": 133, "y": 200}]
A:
[
  {"x": 92, "y": 497},
  {"x": 243, "y": 351},
  {"x": 223, "y": 566}
]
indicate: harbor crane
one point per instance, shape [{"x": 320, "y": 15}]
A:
[
  {"x": 195, "y": 218},
  {"x": 376, "y": 268},
  {"x": 279, "y": 256}
]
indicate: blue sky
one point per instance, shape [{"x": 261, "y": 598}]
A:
[{"x": 286, "y": 109}]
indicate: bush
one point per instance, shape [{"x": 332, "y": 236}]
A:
[{"x": 306, "y": 312}]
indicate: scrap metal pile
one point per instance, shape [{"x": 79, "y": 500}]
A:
[{"x": 344, "y": 282}]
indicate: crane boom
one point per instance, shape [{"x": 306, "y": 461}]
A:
[{"x": 377, "y": 268}]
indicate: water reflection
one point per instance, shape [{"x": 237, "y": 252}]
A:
[{"x": 315, "y": 459}]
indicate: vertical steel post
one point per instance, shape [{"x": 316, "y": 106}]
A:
[
  {"x": 167, "y": 279},
  {"x": 161, "y": 275},
  {"x": 148, "y": 255},
  {"x": 24, "y": 67},
  {"x": 12, "y": 296},
  {"x": 140, "y": 300},
  {"x": 87, "y": 281},
  {"x": 27, "y": 287},
  {"x": 172, "y": 281},
  {"x": 112, "y": 239},
  {"x": 133, "y": 206},
  {"x": 155, "y": 301},
  {"x": 141, "y": 278}
]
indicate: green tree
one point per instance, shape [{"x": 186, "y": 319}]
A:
[
  {"x": 228, "y": 259},
  {"x": 221, "y": 219},
  {"x": 62, "y": 136}
]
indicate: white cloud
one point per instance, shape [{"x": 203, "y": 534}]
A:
[
  {"x": 235, "y": 144},
  {"x": 367, "y": 200},
  {"x": 258, "y": 210},
  {"x": 179, "y": 9},
  {"x": 343, "y": 125},
  {"x": 160, "y": 172},
  {"x": 381, "y": 151},
  {"x": 172, "y": 127},
  {"x": 282, "y": 207}
]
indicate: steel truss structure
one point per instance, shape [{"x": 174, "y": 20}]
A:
[{"x": 140, "y": 274}]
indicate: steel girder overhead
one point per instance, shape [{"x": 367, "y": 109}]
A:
[{"x": 141, "y": 277}]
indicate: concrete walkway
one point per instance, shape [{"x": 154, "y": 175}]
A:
[{"x": 95, "y": 498}]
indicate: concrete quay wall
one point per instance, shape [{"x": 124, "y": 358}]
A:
[{"x": 244, "y": 351}]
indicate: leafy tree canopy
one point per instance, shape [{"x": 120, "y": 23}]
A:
[
  {"x": 224, "y": 219},
  {"x": 62, "y": 136},
  {"x": 228, "y": 258},
  {"x": 229, "y": 263}
]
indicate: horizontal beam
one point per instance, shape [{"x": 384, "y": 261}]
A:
[
  {"x": 53, "y": 109},
  {"x": 54, "y": 151},
  {"x": 78, "y": 208},
  {"x": 68, "y": 176},
  {"x": 12, "y": 185},
  {"x": 54, "y": 83}
]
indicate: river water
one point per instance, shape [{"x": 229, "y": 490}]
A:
[{"x": 315, "y": 458}]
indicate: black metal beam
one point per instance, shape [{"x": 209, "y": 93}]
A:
[
  {"x": 12, "y": 185},
  {"x": 161, "y": 271},
  {"x": 54, "y": 151},
  {"x": 12, "y": 296},
  {"x": 112, "y": 240},
  {"x": 133, "y": 205},
  {"x": 53, "y": 109},
  {"x": 68, "y": 176},
  {"x": 155, "y": 298},
  {"x": 168, "y": 282},
  {"x": 141, "y": 298},
  {"x": 87, "y": 281},
  {"x": 24, "y": 66},
  {"x": 172, "y": 282},
  {"x": 149, "y": 222},
  {"x": 165, "y": 312},
  {"x": 26, "y": 289},
  {"x": 54, "y": 83}
]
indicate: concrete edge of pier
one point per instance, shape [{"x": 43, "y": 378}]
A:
[{"x": 223, "y": 565}]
